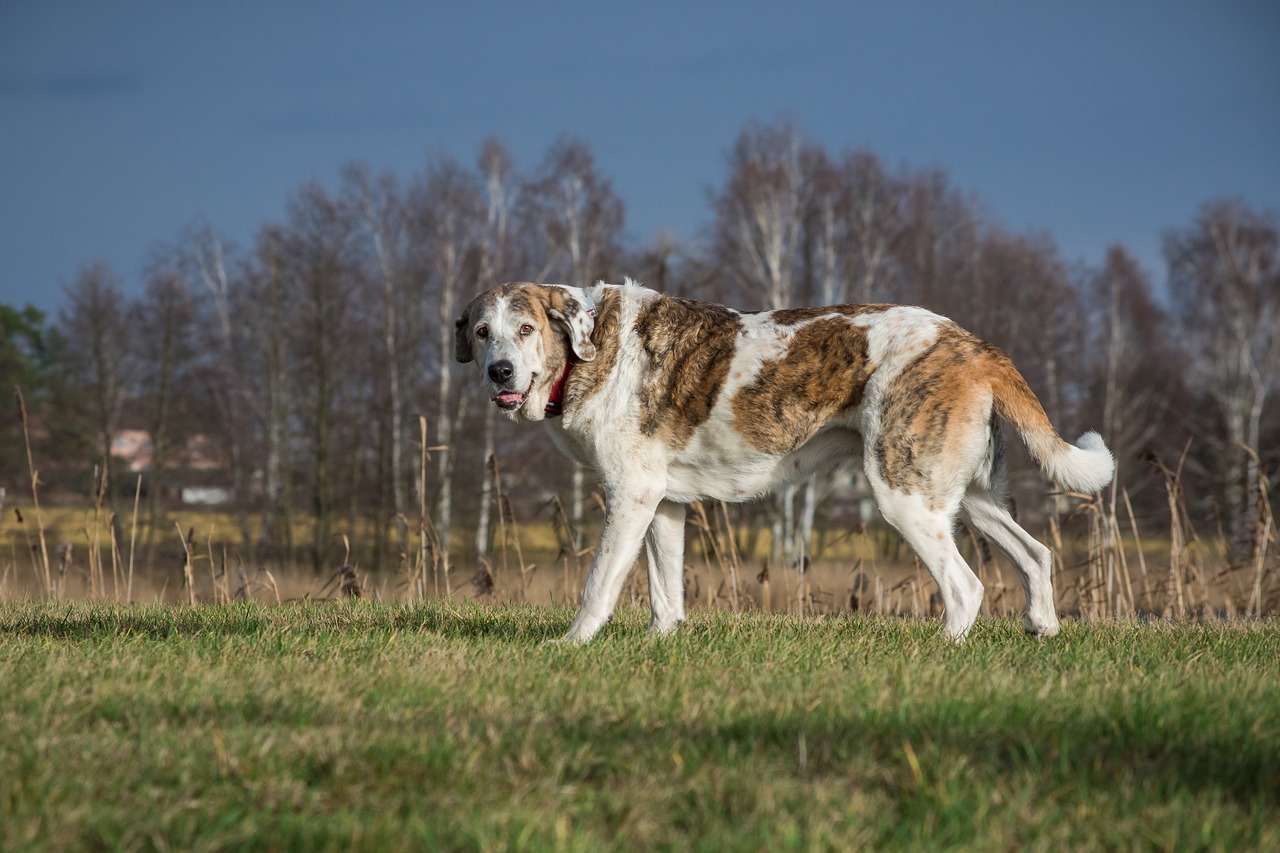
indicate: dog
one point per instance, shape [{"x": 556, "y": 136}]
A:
[{"x": 673, "y": 400}]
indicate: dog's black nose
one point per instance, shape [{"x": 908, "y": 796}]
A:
[{"x": 500, "y": 371}]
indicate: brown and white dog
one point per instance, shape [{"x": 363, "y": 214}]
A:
[{"x": 672, "y": 400}]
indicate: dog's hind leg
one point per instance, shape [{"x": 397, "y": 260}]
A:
[
  {"x": 929, "y": 533},
  {"x": 1032, "y": 560},
  {"x": 626, "y": 518},
  {"x": 664, "y": 548}
]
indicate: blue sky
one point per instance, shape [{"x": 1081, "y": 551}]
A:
[{"x": 1094, "y": 122}]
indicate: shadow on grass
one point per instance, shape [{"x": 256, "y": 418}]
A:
[
  {"x": 79, "y": 621},
  {"x": 933, "y": 758},
  {"x": 516, "y": 624}
]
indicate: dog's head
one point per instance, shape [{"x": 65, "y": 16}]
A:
[{"x": 520, "y": 335}]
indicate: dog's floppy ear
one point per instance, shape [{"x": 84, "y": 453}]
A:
[
  {"x": 574, "y": 312},
  {"x": 462, "y": 337}
]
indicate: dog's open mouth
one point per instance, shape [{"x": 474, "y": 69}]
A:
[{"x": 509, "y": 401}]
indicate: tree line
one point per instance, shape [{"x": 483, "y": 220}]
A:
[{"x": 316, "y": 364}]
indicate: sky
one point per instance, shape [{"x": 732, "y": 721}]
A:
[{"x": 122, "y": 124}]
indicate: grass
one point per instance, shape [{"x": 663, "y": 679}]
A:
[{"x": 394, "y": 726}]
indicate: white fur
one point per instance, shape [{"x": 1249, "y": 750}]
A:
[
  {"x": 647, "y": 481},
  {"x": 1086, "y": 467}
]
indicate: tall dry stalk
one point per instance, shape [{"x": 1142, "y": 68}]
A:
[
  {"x": 1263, "y": 538},
  {"x": 725, "y": 556},
  {"x": 1137, "y": 544},
  {"x": 35, "y": 491},
  {"x": 188, "y": 571},
  {"x": 1255, "y": 595},
  {"x": 1179, "y": 558},
  {"x": 729, "y": 536},
  {"x": 423, "y": 518},
  {"x": 221, "y": 591},
  {"x": 95, "y": 535},
  {"x": 1107, "y": 582},
  {"x": 433, "y": 554},
  {"x": 506, "y": 518},
  {"x": 133, "y": 539},
  {"x": 570, "y": 535},
  {"x": 115, "y": 558}
]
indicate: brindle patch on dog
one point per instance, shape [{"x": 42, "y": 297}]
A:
[
  {"x": 690, "y": 346},
  {"x": 796, "y": 316},
  {"x": 521, "y": 299},
  {"x": 824, "y": 372},
  {"x": 924, "y": 407}
]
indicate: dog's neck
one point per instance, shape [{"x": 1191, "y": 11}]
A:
[{"x": 555, "y": 401}]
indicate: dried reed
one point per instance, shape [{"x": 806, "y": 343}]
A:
[{"x": 35, "y": 490}]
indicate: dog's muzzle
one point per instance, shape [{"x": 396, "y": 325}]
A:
[{"x": 500, "y": 373}]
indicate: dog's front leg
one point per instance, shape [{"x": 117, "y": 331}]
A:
[
  {"x": 664, "y": 547},
  {"x": 626, "y": 517}
]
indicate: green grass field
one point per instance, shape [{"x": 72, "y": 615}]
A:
[{"x": 390, "y": 726}]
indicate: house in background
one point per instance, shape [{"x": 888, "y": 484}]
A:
[
  {"x": 195, "y": 472},
  {"x": 134, "y": 448}
]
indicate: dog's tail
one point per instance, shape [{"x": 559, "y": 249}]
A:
[{"x": 1086, "y": 466}]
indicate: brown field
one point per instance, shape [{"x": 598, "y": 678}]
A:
[{"x": 1102, "y": 569}]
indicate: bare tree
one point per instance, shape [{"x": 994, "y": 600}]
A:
[
  {"x": 321, "y": 281},
  {"x": 163, "y": 323},
  {"x": 760, "y": 239},
  {"x": 1138, "y": 370},
  {"x": 265, "y": 314},
  {"x": 1225, "y": 282},
  {"x": 384, "y": 222},
  {"x": 579, "y": 219},
  {"x": 872, "y": 211},
  {"x": 759, "y": 214},
  {"x": 95, "y": 325},
  {"x": 496, "y": 168},
  {"x": 939, "y": 240},
  {"x": 450, "y": 213},
  {"x": 227, "y": 370}
]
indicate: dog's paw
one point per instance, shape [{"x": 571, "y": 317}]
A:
[
  {"x": 664, "y": 629},
  {"x": 1041, "y": 629},
  {"x": 570, "y": 639}
]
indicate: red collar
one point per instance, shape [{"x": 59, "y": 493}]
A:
[{"x": 555, "y": 402}]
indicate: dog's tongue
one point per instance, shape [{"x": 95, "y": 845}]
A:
[{"x": 509, "y": 399}]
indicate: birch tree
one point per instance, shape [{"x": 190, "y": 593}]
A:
[
  {"x": 321, "y": 284},
  {"x": 872, "y": 214},
  {"x": 758, "y": 238},
  {"x": 228, "y": 374},
  {"x": 384, "y": 224},
  {"x": 496, "y": 169},
  {"x": 759, "y": 213},
  {"x": 265, "y": 313},
  {"x": 578, "y": 222},
  {"x": 450, "y": 210},
  {"x": 163, "y": 323},
  {"x": 1225, "y": 281},
  {"x": 1138, "y": 369}
]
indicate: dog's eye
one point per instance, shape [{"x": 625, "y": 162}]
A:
[
  {"x": 482, "y": 332},
  {"x": 526, "y": 330}
]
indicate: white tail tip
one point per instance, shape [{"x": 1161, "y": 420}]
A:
[{"x": 1087, "y": 467}]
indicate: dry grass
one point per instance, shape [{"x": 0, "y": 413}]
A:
[{"x": 1111, "y": 570}]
